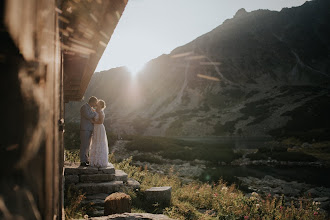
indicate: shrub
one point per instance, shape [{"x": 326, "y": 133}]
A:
[
  {"x": 72, "y": 155},
  {"x": 72, "y": 203}
]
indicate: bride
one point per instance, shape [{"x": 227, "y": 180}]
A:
[{"x": 98, "y": 155}]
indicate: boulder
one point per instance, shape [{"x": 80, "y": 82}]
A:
[
  {"x": 160, "y": 195},
  {"x": 133, "y": 184},
  {"x": 117, "y": 203}
]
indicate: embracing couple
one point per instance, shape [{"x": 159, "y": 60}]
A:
[{"x": 94, "y": 142}]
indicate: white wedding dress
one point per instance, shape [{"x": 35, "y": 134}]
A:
[{"x": 98, "y": 152}]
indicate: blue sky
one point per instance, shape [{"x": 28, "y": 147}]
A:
[{"x": 150, "y": 28}]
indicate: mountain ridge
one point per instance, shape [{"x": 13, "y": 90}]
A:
[{"x": 246, "y": 77}]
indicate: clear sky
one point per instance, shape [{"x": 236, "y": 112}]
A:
[{"x": 150, "y": 28}]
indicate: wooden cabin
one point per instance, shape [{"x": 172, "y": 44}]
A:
[{"x": 49, "y": 51}]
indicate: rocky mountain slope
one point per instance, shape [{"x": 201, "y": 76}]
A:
[{"x": 259, "y": 73}]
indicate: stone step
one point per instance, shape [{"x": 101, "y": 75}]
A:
[
  {"x": 132, "y": 184},
  {"x": 100, "y": 196},
  {"x": 78, "y": 170},
  {"x": 96, "y": 213},
  {"x": 93, "y": 202},
  {"x": 96, "y": 178},
  {"x": 121, "y": 176},
  {"x": 95, "y": 188}
]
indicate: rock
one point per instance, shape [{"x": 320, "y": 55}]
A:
[
  {"x": 71, "y": 179},
  {"x": 117, "y": 203},
  {"x": 109, "y": 170},
  {"x": 100, "y": 196},
  {"x": 133, "y": 216},
  {"x": 75, "y": 170},
  {"x": 96, "y": 178},
  {"x": 306, "y": 145},
  {"x": 133, "y": 184},
  {"x": 322, "y": 192},
  {"x": 96, "y": 213},
  {"x": 94, "y": 188},
  {"x": 94, "y": 202},
  {"x": 322, "y": 199},
  {"x": 160, "y": 195},
  {"x": 240, "y": 12},
  {"x": 121, "y": 176}
]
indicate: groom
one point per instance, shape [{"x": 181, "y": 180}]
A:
[{"x": 86, "y": 129}]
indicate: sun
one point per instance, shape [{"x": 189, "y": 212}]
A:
[{"x": 135, "y": 68}]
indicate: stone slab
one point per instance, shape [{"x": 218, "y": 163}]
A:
[
  {"x": 109, "y": 170},
  {"x": 96, "y": 213},
  {"x": 93, "y": 202},
  {"x": 121, "y": 176},
  {"x": 133, "y": 184},
  {"x": 161, "y": 195},
  {"x": 97, "y": 178},
  {"x": 71, "y": 179},
  {"x": 133, "y": 216},
  {"x": 74, "y": 170},
  {"x": 101, "y": 196},
  {"x": 95, "y": 188}
]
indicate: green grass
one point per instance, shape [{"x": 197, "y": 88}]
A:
[{"x": 171, "y": 148}]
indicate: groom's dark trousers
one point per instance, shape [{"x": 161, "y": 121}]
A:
[{"x": 86, "y": 130}]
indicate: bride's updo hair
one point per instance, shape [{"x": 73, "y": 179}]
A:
[{"x": 102, "y": 103}]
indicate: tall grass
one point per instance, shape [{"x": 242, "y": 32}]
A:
[
  {"x": 198, "y": 200},
  {"x": 73, "y": 208}
]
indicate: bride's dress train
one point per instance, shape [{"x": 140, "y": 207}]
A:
[{"x": 98, "y": 154}]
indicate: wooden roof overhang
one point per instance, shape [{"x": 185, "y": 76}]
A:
[{"x": 86, "y": 27}]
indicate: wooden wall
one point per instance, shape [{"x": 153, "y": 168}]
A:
[{"x": 31, "y": 152}]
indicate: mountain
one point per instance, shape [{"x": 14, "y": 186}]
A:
[{"x": 259, "y": 73}]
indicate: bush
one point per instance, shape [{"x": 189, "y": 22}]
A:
[
  {"x": 72, "y": 155},
  {"x": 73, "y": 208}
]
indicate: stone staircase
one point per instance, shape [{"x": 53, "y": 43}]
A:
[{"x": 97, "y": 184}]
